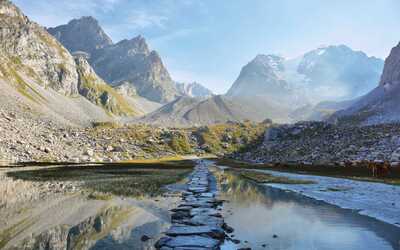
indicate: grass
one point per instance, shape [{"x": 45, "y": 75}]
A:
[
  {"x": 350, "y": 172},
  {"x": 230, "y": 137},
  {"x": 7, "y": 234},
  {"x": 180, "y": 143},
  {"x": 103, "y": 95},
  {"x": 269, "y": 178},
  {"x": 124, "y": 179},
  {"x": 21, "y": 85}
]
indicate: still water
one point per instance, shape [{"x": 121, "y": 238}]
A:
[{"x": 267, "y": 218}]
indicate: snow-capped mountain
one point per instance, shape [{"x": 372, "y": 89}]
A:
[{"x": 332, "y": 73}]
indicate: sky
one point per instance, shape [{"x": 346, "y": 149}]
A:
[{"x": 209, "y": 41}]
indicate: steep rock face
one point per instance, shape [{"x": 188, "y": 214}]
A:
[
  {"x": 132, "y": 61},
  {"x": 98, "y": 92},
  {"x": 381, "y": 105},
  {"x": 391, "y": 73},
  {"x": 84, "y": 34},
  {"x": 126, "y": 61},
  {"x": 26, "y": 48},
  {"x": 261, "y": 77},
  {"x": 193, "y": 90},
  {"x": 338, "y": 71}
]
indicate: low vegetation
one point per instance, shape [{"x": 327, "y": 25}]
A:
[
  {"x": 269, "y": 178},
  {"x": 361, "y": 173},
  {"x": 230, "y": 137},
  {"x": 103, "y": 95},
  {"x": 125, "y": 179}
]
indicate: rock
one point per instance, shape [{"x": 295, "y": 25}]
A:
[{"x": 145, "y": 238}]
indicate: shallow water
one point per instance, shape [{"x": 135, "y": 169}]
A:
[{"x": 268, "y": 218}]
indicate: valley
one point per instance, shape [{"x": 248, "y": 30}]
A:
[{"x": 106, "y": 143}]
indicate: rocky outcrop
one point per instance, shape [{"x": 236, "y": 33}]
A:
[
  {"x": 391, "y": 73},
  {"x": 128, "y": 61},
  {"x": 28, "y": 51},
  {"x": 98, "y": 92},
  {"x": 84, "y": 34}
]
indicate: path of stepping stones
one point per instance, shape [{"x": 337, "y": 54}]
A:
[{"x": 196, "y": 222}]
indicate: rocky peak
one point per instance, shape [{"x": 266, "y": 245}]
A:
[
  {"x": 135, "y": 45},
  {"x": 269, "y": 61},
  {"x": 83, "y": 34},
  {"x": 391, "y": 72},
  {"x": 51, "y": 66},
  {"x": 10, "y": 10},
  {"x": 261, "y": 77}
]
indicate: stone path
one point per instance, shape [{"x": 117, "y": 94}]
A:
[{"x": 197, "y": 222}]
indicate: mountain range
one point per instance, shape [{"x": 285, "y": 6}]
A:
[{"x": 79, "y": 66}]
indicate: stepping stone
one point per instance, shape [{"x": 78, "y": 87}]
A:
[
  {"x": 208, "y": 195},
  {"x": 214, "y": 232},
  {"x": 186, "y": 242},
  {"x": 203, "y": 220},
  {"x": 204, "y": 211}
]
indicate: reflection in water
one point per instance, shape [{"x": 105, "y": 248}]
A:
[
  {"x": 115, "y": 227},
  {"x": 267, "y": 218}
]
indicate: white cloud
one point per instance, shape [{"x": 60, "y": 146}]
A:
[{"x": 143, "y": 19}]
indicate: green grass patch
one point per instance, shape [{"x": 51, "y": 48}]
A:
[
  {"x": 103, "y": 95},
  {"x": 360, "y": 173},
  {"x": 125, "y": 179},
  {"x": 269, "y": 178}
]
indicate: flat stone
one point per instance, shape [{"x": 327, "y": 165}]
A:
[
  {"x": 204, "y": 211},
  {"x": 212, "y": 231},
  {"x": 186, "y": 242}
]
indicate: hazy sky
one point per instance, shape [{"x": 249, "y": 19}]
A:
[{"x": 210, "y": 40}]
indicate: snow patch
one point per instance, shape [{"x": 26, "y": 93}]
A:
[{"x": 377, "y": 200}]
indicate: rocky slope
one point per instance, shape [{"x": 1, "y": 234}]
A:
[
  {"x": 327, "y": 144},
  {"x": 187, "y": 111},
  {"x": 38, "y": 72},
  {"x": 129, "y": 61},
  {"x": 381, "y": 104}
]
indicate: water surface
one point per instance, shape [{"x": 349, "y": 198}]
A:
[{"x": 268, "y": 218}]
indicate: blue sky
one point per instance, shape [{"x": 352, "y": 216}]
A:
[{"x": 210, "y": 40}]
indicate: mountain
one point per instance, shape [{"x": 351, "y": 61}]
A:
[
  {"x": 381, "y": 105},
  {"x": 38, "y": 71},
  {"x": 129, "y": 61},
  {"x": 340, "y": 73},
  {"x": 332, "y": 73},
  {"x": 193, "y": 90},
  {"x": 188, "y": 111},
  {"x": 84, "y": 34},
  {"x": 262, "y": 77}
]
